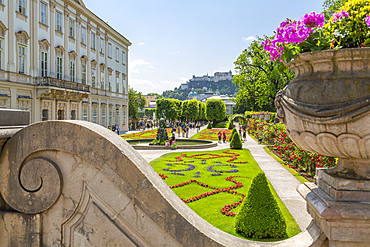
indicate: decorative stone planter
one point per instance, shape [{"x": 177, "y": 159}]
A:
[
  {"x": 261, "y": 117},
  {"x": 267, "y": 117},
  {"x": 326, "y": 110},
  {"x": 326, "y": 107},
  {"x": 254, "y": 116}
]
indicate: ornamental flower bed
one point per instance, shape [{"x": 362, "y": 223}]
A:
[
  {"x": 211, "y": 134},
  {"x": 147, "y": 134},
  {"x": 294, "y": 156},
  {"x": 213, "y": 183}
]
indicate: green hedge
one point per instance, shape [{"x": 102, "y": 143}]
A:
[
  {"x": 209, "y": 126},
  {"x": 260, "y": 216}
]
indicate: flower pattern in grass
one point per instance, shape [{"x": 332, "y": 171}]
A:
[
  {"x": 210, "y": 169},
  {"x": 191, "y": 167},
  {"x": 211, "y": 134},
  {"x": 147, "y": 134},
  {"x": 226, "y": 210}
]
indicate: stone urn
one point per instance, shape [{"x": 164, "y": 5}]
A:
[
  {"x": 326, "y": 110},
  {"x": 267, "y": 117}
]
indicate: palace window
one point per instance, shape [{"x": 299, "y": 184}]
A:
[
  {"x": 93, "y": 41},
  {"x": 72, "y": 71},
  {"x": 84, "y": 74},
  {"x": 110, "y": 50},
  {"x": 124, "y": 116},
  {"x": 59, "y": 22},
  {"x": 85, "y": 115},
  {"x": 83, "y": 36},
  {"x": 71, "y": 28},
  {"x": 117, "y": 54},
  {"x": 95, "y": 116},
  {"x": 117, "y": 116},
  {"x": 59, "y": 67},
  {"x": 73, "y": 115},
  {"x": 110, "y": 118},
  {"x": 123, "y": 57},
  {"x": 44, "y": 64},
  {"x": 103, "y": 117},
  {"x": 102, "y": 46},
  {"x": 22, "y": 6},
  {"x": 117, "y": 83},
  {"x": 45, "y": 114},
  {"x": 44, "y": 13},
  {"x": 110, "y": 82},
  {"x": 102, "y": 80},
  {"x": 93, "y": 78},
  {"x": 123, "y": 86},
  {"x": 22, "y": 59},
  {"x": 1, "y": 52}
]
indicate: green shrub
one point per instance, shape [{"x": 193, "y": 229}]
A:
[
  {"x": 231, "y": 125},
  {"x": 232, "y": 133},
  {"x": 209, "y": 126},
  {"x": 260, "y": 216},
  {"x": 236, "y": 142}
]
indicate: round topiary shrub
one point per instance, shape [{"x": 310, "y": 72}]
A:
[
  {"x": 260, "y": 216},
  {"x": 236, "y": 142},
  {"x": 209, "y": 126}
]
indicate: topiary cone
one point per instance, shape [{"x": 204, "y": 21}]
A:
[
  {"x": 232, "y": 133},
  {"x": 260, "y": 216},
  {"x": 209, "y": 126},
  {"x": 236, "y": 142}
]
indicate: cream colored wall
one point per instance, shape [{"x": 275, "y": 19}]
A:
[{"x": 13, "y": 84}]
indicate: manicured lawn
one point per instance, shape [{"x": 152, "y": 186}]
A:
[
  {"x": 211, "y": 134},
  {"x": 209, "y": 181},
  {"x": 178, "y": 142},
  {"x": 147, "y": 134}
]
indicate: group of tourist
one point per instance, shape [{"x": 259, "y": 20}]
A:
[{"x": 115, "y": 128}]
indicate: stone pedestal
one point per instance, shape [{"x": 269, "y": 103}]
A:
[{"x": 340, "y": 207}]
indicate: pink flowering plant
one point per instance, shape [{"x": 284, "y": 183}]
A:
[{"x": 349, "y": 27}]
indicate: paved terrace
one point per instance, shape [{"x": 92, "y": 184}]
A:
[{"x": 283, "y": 182}]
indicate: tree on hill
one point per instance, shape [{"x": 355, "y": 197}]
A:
[
  {"x": 157, "y": 96},
  {"x": 215, "y": 110}
]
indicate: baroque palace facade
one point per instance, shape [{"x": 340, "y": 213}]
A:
[{"x": 60, "y": 61}]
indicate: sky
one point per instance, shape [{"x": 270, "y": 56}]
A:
[{"x": 172, "y": 40}]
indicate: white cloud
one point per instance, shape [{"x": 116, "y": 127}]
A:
[
  {"x": 134, "y": 65},
  {"x": 150, "y": 66},
  {"x": 175, "y": 52},
  {"x": 250, "y": 38},
  {"x": 141, "y": 43}
]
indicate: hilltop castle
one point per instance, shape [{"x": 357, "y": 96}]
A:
[{"x": 205, "y": 80}]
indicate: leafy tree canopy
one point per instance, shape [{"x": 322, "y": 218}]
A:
[
  {"x": 259, "y": 78},
  {"x": 215, "y": 110},
  {"x": 135, "y": 101}
]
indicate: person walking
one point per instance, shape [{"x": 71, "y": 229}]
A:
[
  {"x": 118, "y": 129},
  {"x": 245, "y": 135},
  {"x": 224, "y": 136},
  {"x": 178, "y": 130},
  {"x": 187, "y": 131},
  {"x": 219, "y": 136}
]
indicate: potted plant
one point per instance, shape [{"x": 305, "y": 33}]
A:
[{"x": 326, "y": 107}]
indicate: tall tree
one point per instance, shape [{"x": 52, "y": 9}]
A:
[
  {"x": 190, "y": 109},
  {"x": 168, "y": 108},
  {"x": 215, "y": 110},
  {"x": 135, "y": 101},
  {"x": 258, "y": 77}
]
